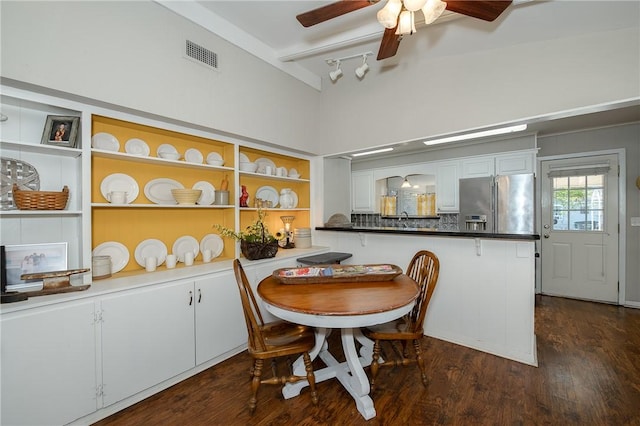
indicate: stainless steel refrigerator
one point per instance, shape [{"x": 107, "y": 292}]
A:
[{"x": 497, "y": 204}]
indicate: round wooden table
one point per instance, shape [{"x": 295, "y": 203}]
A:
[{"x": 345, "y": 306}]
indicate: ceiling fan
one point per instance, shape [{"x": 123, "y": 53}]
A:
[{"x": 398, "y": 23}]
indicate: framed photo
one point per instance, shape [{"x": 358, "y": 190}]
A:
[
  {"x": 32, "y": 258},
  {"x": 61, "y": 131}
]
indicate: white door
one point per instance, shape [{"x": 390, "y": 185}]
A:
[{"x": 579, "y": 248}]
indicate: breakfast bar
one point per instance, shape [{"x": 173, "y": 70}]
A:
[{"x": 485, "y": 296}]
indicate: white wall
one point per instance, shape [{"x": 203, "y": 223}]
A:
[
  {"x": 129, "y": 53},
  {"x": 424, "y": 98}
]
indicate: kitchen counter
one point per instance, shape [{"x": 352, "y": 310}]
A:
[
  {"x": 433, "y": 232},
  {"x": 485, "y": 294}
]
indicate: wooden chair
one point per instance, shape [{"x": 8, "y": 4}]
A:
[
  {"x": 424, "y": 269},
  {"x": 272, "y": 340}
]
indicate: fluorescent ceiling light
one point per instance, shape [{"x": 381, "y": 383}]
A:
[
  {"x": 376, "y": 151},
  {"x": 481, "y": 134}
]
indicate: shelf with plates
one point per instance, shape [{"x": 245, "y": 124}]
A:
[
  {"x": 155, "y": 160},
  {"x": 126, "y": 156},
  {"x": 272, "y": 177},
  {"x": 160, "y": 206},
  {"x": 286, "y": 173}
]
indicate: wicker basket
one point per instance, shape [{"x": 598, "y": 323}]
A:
[
  {"x": 40, "y": 200},
  {"x": 254, "y": 251}
]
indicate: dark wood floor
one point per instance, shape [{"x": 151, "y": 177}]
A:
[{"x": 588, "y": 374}]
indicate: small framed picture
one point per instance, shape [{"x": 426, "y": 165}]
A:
[
  {"x": 32, "y": 258},
  {"x": 61, "y": 131}
]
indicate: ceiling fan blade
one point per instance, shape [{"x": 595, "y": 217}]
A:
[
  {"x": 389, "y": 44},
  {"x": 487, "y": 10},
  {"x": 331, "y": 11}
]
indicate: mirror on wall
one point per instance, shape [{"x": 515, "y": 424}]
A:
[{"x": 413, "y": 196}]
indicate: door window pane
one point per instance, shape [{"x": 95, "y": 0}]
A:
[{"x": 578, "y": 203}]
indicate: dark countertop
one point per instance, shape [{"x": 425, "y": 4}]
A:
[{"x": 433, "y": 232}]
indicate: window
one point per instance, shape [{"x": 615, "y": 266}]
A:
[{"x": 578, "y": 203}]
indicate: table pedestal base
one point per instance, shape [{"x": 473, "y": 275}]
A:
[{"x": 350, "y": 373}]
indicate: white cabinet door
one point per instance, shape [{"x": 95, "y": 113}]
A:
[
  {"x": 516, "y": 163},
  {"x": 48, "y": 365},
  {"x": 447, "y": 174},
  {"x": 220, "y": 325},
  {"x": 147, "y": 337},
  {"x": 478, "y": 167},
  {"x": 362, "y": 191}
]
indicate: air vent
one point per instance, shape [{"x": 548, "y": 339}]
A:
[{"x": 201, "y": 54}]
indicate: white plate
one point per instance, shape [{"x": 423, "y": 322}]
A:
[
  {"x": 268, "y": 193},
  {"x": 192, "y": 155},
  {"x": 294, "y": 196},
  {"x": 213, "y": 156},
  {"x": 293, "y": 171},
  {"x": 159, "y": 190},
  {"x": 137, "y": 147},
  {"x": 105, "y": 141},
  {"x": 166, "y": 147},
  {"x": 118, "y": 252},
  {"x": 183, "y": 245},
  {"x": 263, "y": 163},
  {"x": 244, "y": 158},
  {"x": 212, "y": 242},
  {"x": 120, "y": 182},
  {"x": 150, "y": 248},
  {"x": 208, "y": 193}
]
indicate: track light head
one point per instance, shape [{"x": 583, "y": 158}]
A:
[
  {"x": 335, "y": 74},
  {"x": 362, "y": 69}
]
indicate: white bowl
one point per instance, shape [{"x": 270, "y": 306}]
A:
[
  {"x": 169, "y": 155},
  {"x": 294, "y": 176},
  {"x": 214, "y": 162},
  {"x": 248, "y": 167},
  {"x": 186, "y": 196}
]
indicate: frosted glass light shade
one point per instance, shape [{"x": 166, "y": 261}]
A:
[
  {"x": 414, "y": 5},
  {"x": 388, "y": 15},
  {"x": 432, "y": 10},
  {"x": 406, "y": 23}
]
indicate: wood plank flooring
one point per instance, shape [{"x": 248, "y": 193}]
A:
[{"x": 588, "y": 374}]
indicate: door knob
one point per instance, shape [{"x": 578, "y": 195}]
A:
[{"x": 546, "y": 235}]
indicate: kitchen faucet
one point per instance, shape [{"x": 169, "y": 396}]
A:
[{"x": 404, "y": 224}]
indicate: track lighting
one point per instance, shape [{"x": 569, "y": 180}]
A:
[
  {"x": 335, "y": 74},
  {"x": 360, "y": 71}
]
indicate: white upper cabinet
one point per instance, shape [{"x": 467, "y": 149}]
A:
[
  {"x": 447, "y": 176},
  {"x": 515, "y": 163},
  {"x": 362, "y": 191},
  {"x": 478, "y": 167}
]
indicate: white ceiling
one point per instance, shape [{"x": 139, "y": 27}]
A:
[{"x": 269, "y": 30}]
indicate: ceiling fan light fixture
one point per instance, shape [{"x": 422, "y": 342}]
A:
[
  {"x": 388, "y": 15},
  {"x": 432, "y": 10},
  {"x": 406, "y": 23},
  {"x": 414, "y": 5}
]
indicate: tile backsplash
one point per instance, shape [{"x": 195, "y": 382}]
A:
[{"x": 445, "y": 222}]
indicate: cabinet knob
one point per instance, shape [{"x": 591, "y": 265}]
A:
[
  {"x": 199, "y": 295},
  {"x": 190, "y": 298}
]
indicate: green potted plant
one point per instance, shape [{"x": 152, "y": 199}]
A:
[{"x": 255, "y": 241}]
